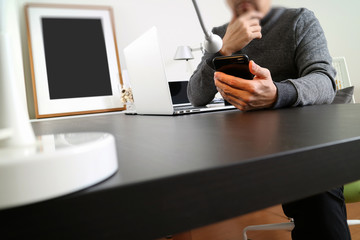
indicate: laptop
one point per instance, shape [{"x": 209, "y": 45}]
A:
[{"x": 150, "y": 87}]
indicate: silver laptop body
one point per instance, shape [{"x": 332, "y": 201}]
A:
[{"x": 148, "y": 80}]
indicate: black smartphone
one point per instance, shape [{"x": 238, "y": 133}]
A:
[{"x": 235, "y": 65}]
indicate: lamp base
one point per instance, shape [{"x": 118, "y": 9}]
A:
[{"x": 56, "y": 165}]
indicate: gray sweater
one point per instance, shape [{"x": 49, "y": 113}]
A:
[{"x": 293, "y": 47}]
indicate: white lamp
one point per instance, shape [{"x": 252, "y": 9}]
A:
[
  {"x": 14, "y": 121},
  {"x": 185, "y": 52},
  {"x": 212, "y": 43},
  {"x": 35, "y": 169}
]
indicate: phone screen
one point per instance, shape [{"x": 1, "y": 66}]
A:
[{"x": 236, "y": 65}]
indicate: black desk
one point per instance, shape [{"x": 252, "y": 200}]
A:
[{"x": 179, "y": 173}]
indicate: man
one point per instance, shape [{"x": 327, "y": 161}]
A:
[{"x": 292, "y": 67}]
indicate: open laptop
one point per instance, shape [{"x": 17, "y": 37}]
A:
[{"x": 148, "y": 81}]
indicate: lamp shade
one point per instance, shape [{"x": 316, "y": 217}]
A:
[{"x": 183, "y": 53}]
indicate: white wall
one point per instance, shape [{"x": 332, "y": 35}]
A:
[
  {"x": 178, "y": 25},
  {"x": 176, "y": 21}
]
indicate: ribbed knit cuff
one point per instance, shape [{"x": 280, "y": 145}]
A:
[{"x": 287, "y": 95}]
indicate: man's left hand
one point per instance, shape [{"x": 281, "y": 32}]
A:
[{"x": 248, "y": 95}]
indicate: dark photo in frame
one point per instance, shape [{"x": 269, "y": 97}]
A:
[{"x": 74, "y": 59}]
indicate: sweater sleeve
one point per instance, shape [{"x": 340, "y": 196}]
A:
[
  {"x": 201, "y": 87},
  {"x": 316, "y": 84}
]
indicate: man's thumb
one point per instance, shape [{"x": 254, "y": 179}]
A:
[{"x": 258, "y": 71}]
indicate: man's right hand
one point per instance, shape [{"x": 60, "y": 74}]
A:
[{"x": 241, "y": 31}]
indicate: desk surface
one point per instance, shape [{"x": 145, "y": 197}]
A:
[{"x": 183, "y": 172}]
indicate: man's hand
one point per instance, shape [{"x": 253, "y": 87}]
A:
[
  {"x": 241, "y": 31},
  {"x": 245, "y": 94}
]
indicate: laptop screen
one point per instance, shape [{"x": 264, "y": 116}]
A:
[{"x": 178, "y": 92}]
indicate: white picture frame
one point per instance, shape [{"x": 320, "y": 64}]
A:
[{"x": 71, "y": 75}]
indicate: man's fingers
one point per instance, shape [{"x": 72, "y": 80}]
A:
[
  {"x": 237, "y": 102},
  {"x": 224, "y": 78},
  {"x": 257, "y": 35},
  {"x": 256, "y": 32},
  {"x": 228, "y": 82},
  {"x": 254, "y": 22}
]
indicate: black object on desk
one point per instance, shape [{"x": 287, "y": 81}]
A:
[{"x": 179, "y": 173}]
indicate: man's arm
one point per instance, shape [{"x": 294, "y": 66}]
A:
[
  {"x": 316, "y": 84},
  {"x": 236, "y": 35},
  {"x": 201, "y": 88}
]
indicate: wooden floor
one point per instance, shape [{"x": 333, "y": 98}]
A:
[
  {"x": 353, "y": 211},
  {"x": 232, "y": 229}
]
